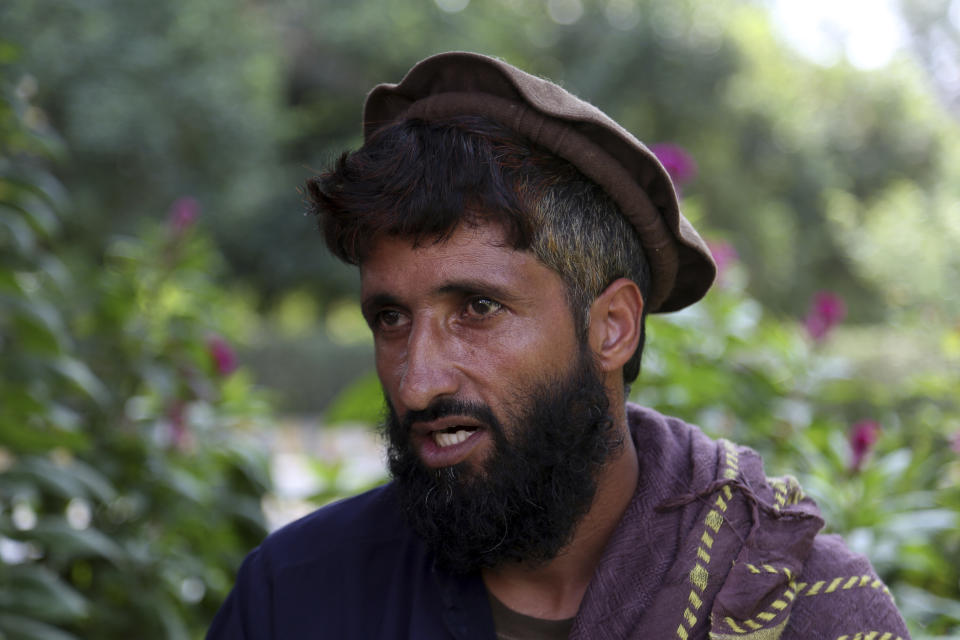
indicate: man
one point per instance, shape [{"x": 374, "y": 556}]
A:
[{"x": 511, "y": 240}]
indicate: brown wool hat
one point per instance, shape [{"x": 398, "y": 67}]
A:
[{"x": 456, "y": 84}]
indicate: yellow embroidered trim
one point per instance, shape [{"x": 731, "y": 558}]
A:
[
  {"x": 767, "y": 568},
  {"x": 843, "y": 583},
  {"x": 794, "y": 589},
  {"x": 786, "y": 491},
  {"x": 871, "y": 635},
  {"x": 732, "y": 459},
  {"x": 772, "y": 633},
  {"x": 756, "y": 623},
  {"x": 699, "y": 575}
]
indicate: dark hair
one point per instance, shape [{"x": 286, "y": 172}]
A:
[{"x": 422, "y": 180}]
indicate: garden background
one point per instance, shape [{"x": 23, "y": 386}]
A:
[{"x": 174, "y": 340}]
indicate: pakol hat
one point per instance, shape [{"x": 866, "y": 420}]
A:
[{"x": 458, "y": 84}]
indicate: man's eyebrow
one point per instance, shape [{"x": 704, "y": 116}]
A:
[
  {"x": 461, "y": 287},
  {"x": 377, "y": 301}
]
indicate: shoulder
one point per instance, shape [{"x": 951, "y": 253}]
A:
[
  {"x": 666, "y": 435},
  {"x": 350, "y": 526},
  {"x": 835, "y": 595},
  {"x": 323, "y": 570},
  {"x": 640, "y": 417},
  {"x": 652, "y": 429},
  {"x": 346, "y": 535},
  {"x": 677, "y": 454},
  {"x": 811, "y": 579},
  {"x": 839, "y": 590}
]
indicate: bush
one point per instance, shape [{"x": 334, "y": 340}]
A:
[{"x": 128, "y": 495}]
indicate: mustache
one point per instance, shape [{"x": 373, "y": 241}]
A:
[{"x": 445, "y": 407}]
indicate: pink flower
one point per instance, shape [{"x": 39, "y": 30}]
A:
[
  {"x": 826, "y": 311},
  {"x": 955, "y": 443},
  {"x": 224, "y": 359},
  {"x": 724, "y": 254},
  {"x": 863, "y": 435},
  {"x": 183, "y": 213},
  {"x": 678, "y": 163}
]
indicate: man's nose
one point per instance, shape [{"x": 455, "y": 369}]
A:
[{"x": 429, "y": 371}]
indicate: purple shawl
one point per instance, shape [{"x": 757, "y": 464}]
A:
[{"x": 711, "y": 548}]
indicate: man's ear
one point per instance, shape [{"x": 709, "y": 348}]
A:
[{"x": 614, "y": 331}]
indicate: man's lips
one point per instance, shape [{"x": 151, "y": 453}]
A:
[
  {"x": 447, "y": 423},
  {"x": 448, "y": 440}
]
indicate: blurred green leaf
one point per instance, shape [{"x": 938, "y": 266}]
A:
[
  {"x": 362, "y": 401},
  {"x": 40, "y": 215},
  {"x": 21, "y": 435},
  {"x": 70, "y": 479},
  {"x": 39, "y": 327},
  {"x": 83, "y": 379},
  {"x": 921, "y": 523},
  {"x": 63, "y": 541},
  {"x": 24, "y": 628},
  {"x": 36, "y": 591},
  {"x": 14, "y": 231},
  {"x": 919, "y": 602},
  {"x": 52, "y": 477}
]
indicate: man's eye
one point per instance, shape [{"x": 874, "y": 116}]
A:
[
  {"x": 389, "y": 318},
  {"x": 482, "y": 306}
]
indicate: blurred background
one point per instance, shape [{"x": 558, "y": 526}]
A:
[{"x": 183, "y": 367}]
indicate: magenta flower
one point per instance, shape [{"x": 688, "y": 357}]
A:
[
  {"x": 223, "y": 356},
  {"x": 863, "y": 435},
  {"x": 183, "y": 213},
  {"x": 826, "y": 311},
  {"x": 678, "y": 163},
  {"x": 724, "y": 254}
]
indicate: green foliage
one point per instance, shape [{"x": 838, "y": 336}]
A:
[
  {"x": 127, "y": 493},
  {"x": 880, "y": 239},
  {"x": 309, "y": 357},
  {"x": 361, "y": 401},
  {"x": 159, "y": 99}
]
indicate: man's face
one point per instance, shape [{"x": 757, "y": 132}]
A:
[
  {"x": 469, "y": 319},
  {"x": 498, "y": 419}
]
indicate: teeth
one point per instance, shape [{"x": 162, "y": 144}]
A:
[{"x": 445, "y": 439}]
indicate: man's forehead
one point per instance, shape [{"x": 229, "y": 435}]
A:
[{"x": 461, "y": 238}]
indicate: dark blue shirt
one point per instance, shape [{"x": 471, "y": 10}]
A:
[{"x": 353, "y": 569}]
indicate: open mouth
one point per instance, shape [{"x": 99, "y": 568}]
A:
[
  {"x": 452, "y": 435},
  {"x": 448, "y": 440}
]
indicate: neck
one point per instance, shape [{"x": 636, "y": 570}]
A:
[{"x": 554, "y": 590}]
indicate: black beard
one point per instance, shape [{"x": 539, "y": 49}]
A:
[{"x": 524, "y": 504}]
